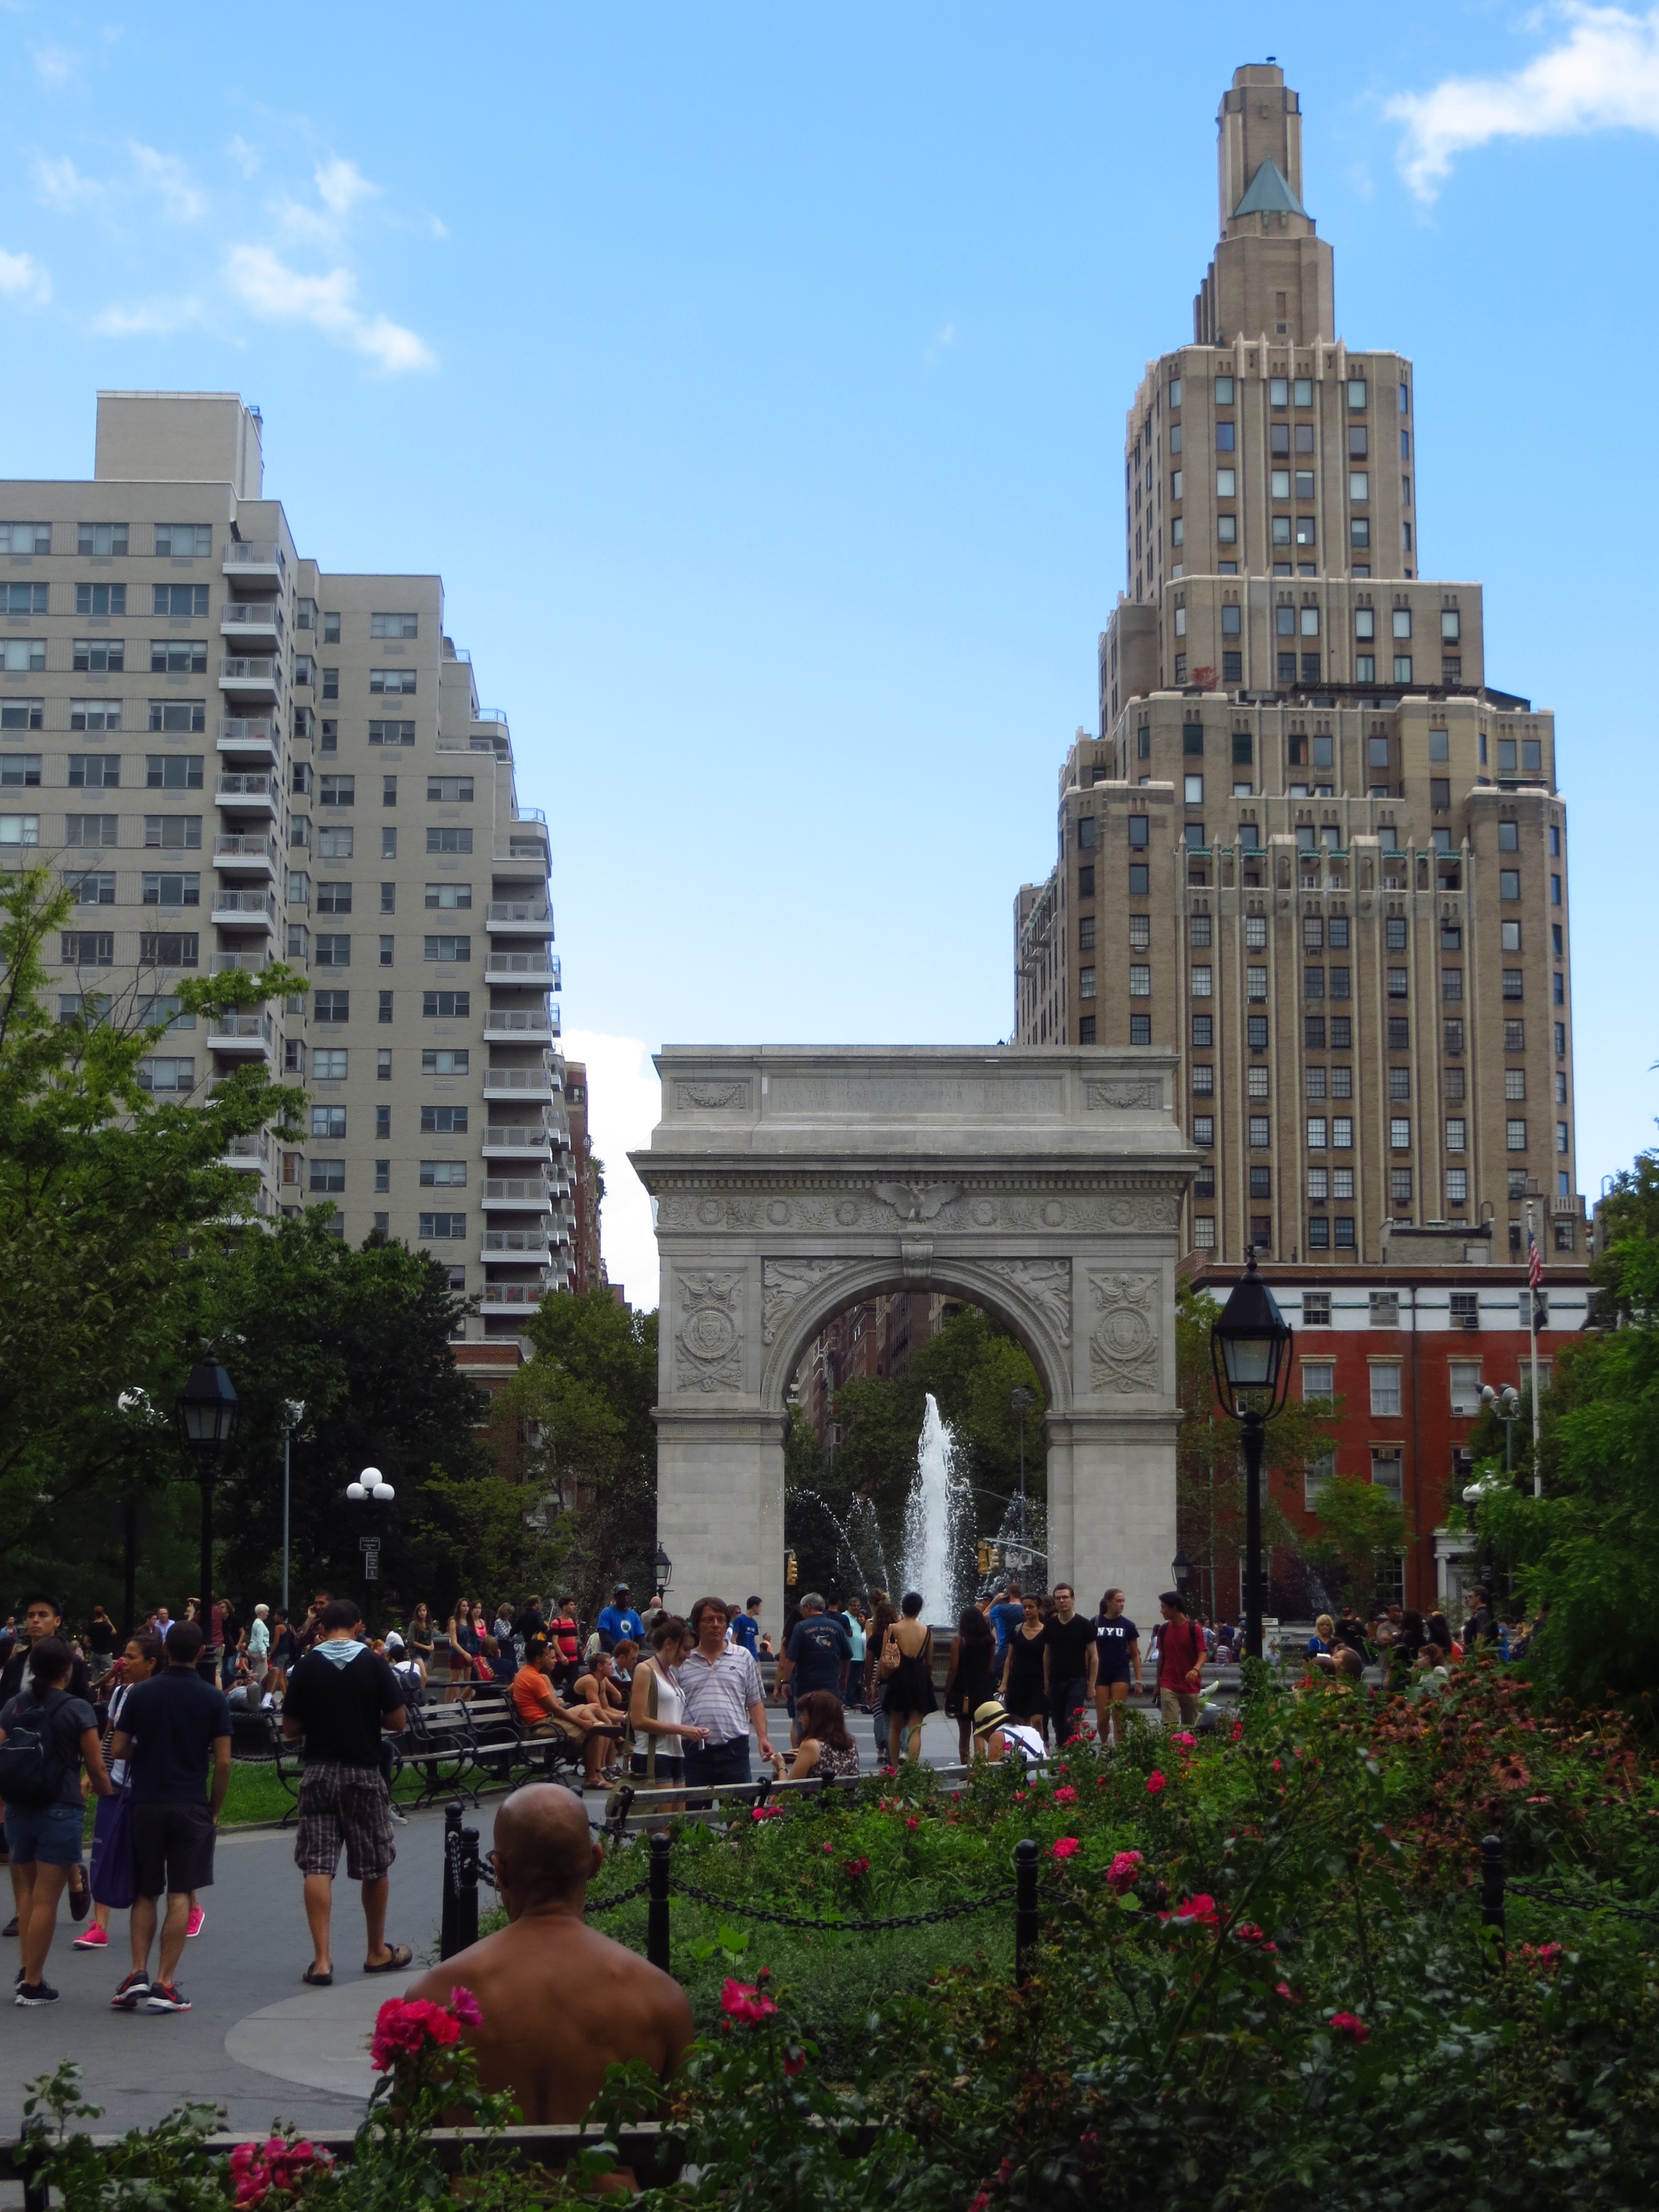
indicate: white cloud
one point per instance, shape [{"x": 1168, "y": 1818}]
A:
[
  {"x": 169, "y": 179},
  {"x": 624, "y": 1101},
  {"x": 943, "y": 340},
  {"x": 245, "y": 156},
  {"x": 269, "y": 288},
  {"x": 1604, "y": 76},
  {"x": 155, "y": 318},
  {"x": 22, "y": 278},
  {"x": 340, "y": 184},
  {"x": 54, "y": 65},
  {"x": 61, "y": 186}
]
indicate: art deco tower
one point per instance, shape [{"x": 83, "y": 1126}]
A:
[{"x": 1312, "y": 847}]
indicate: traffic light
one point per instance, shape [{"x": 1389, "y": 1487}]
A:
[
  {"x": 984, "y": 1560},
  {"x": 791, "y": 1569}
]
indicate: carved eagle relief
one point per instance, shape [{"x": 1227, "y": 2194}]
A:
[{"x": 917, "y": 1201}]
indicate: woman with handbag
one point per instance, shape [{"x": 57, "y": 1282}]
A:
[
  {"x": 112, "y": 1871},
  {"x": 657, "y": 1708},
  {"x": 907, "y": 1669}
]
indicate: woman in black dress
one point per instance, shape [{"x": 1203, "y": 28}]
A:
[
  {"x": 1022, "y": 1692},
  {"x": 973, "y": 1668},
  {"x": 910, "y": 1693}
]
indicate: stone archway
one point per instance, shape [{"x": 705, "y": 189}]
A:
[{"x": 1045, "y": 1185}]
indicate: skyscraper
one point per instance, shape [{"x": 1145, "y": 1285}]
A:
[
  {"x": 1311, "y": 847},
  {"x": 235, "y": 755}
]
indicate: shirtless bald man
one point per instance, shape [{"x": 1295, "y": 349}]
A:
[{"x": 560, "y": 2003}]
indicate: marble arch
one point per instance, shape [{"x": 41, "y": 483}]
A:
[{"x": 1045, "y": 1185}]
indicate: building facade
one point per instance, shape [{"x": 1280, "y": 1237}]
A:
[
  {"x": 235, "y": 755},
  {"x": 1310, "y": 848}
]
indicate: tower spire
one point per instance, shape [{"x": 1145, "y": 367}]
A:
[{"x": 1271, "y": 274}]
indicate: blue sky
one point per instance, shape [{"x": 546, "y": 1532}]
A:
[{"x": 755, "y": 376}]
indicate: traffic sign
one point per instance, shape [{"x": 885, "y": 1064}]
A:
[
  {"x": 368, "y": 1543},
  {"x": 371, "y": 1567}
]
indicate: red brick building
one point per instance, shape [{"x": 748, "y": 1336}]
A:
[
  {"x": 587, "y": 1264},
  {"x": 1405, "y": 1348}
]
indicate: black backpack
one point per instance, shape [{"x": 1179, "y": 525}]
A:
[{"x": 33, "y": 1767}]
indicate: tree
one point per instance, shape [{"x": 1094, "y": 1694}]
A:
[
  {"x": 103, "y": 1184},
  {"x": 588, "y": 1393},
  {"x": 1363, "y": 1531},
  {"x": 1210, "y": 1501}
]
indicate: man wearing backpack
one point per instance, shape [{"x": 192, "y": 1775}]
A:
[
  {"x": 45, "y": 1735},
  {"x": 170, "y": 1727},
  {"x": 42, "y": 1616}
]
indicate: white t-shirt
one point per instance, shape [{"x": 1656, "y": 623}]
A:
[{"x": 1022, "y": 1743}]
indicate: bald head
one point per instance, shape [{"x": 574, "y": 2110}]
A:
[{"x": 545, "y": 1850}]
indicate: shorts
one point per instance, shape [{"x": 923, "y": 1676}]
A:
[
  {"x": 1177, "y": 1705},
  {"x": 1107, "y": 1685},
  {"x": 348, "y": 1805},
  {"x": 44, "y": 1835},
  {"x": 172, "y": 1849},
  {"x": 668, "y": 1769}
]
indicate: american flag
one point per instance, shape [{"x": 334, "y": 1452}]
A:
[{"x": 1534, "y": 1262}]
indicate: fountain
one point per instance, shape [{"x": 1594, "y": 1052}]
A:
[
  {"x": 861, "y": 1562},
  {"x": 939, "y": 1527}
]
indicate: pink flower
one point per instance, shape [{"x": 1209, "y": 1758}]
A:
[
  {"x": 1154, "y": 1783},
  {"x": 911, "y": 1822},
  {"x": 766, "y": 1812},
  {"x": 1066, "y": 1795},
  {"x": 1283, "y": 1990},
  {"x": 742, "y": 2002},
  {"x": 793, "y": 2061},
  {"x": 855, "y": 1870},
  {"x": 465, "y": 2008},
  {"x": 1349, "y": 2024},
  {"x": 1247, "y": 1932},
  {"x": 1121, "y": 1872},
  {"x": 829, "y": 1850},
  {"x": 1200, "y": 1910},
  {"x": 1187, "y": 1742},
  {"x": 1067, "y": 1847},
  {"x": 1548, "y": 1953},
  {"x": 980, "y": 2200},
  {"x": 405, "y": 2027}
]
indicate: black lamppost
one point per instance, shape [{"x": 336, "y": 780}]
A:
[
  {"x": 1248, "y": 1350},
  {"x": 665, "y": 1568},
  {"x": 371, "y": 1487},
  {"x": 207, "y": 1410},
  {"x": 1181, "y": 1568}
]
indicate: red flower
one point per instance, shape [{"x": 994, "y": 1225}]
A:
[
  {"x": 793, "y": 2061},
  {"x": 1283, "y": 1990},
  {"x": 1247, "y": 1932},
  {"x": 766, "y": 1812},
  {"x": 1154, "y": 1783},
  {"x": 1066, "y": 1795},
  {"x": 1349, "y": 2024},
  {"x": 855, "y": 1870},
  {"x": 980, "y": 2200},
  {"x": 1199, "y": 1910},
  {"x": 1067, "y": 1847},
  {"x": 911, "y": 1821},
  {"x": 1238, "y": 1730},
  {"x": 742, "y": 2002},
  {"x": 1121, "y": 1875},
  {"x": 403, "y": 2027},
  {"x": 1187, "y": 1742}
]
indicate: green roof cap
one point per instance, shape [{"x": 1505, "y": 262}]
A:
[{"x": 1267, "y": 193}]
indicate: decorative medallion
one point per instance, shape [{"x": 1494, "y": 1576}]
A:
[
  {"x": 1124, "y": 1353},
  {"x": 709, "y": 1342}
]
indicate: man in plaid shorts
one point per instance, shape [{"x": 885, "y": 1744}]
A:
[{"x": 340, "y": 1697}]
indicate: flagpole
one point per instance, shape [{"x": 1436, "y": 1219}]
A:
[{"x": 1535, "y": 1272}]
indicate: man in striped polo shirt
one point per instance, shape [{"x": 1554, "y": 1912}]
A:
[{"x": 723, "y": 1694}]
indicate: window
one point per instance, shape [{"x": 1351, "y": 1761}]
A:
[
  {"x": 1262, "y": 1182},
  {"x": 21, "y": 769},
  {"x": 1385, "y": 1387},
  {"x": 174, "y": 771},
  {"x": 1204, "y": 1233},
  {"x": 1562, "y": 1137},
  {"x": 103, "y": 540},
  {"x": 1509, "y": 883},
  {"x": 1319, "y": 1184},
  {"x": 1402, "y": 622},
  {"x": 184, "y": 888},
  {"x": 1085, "y": 828},
  {"x": 25, "y": 538},
  {"x": 388, "y": 791},
  {"x": 392, "y": 680},
  {"x": 1140, "y": 834},
  {"x": 1318, "y": 1133},
  {"x": 1356, "y": 397},
  {"x": 1342, "y": 1132},
  {"x": 446, "y": 1006},
  {"x": 179, "y": 714},
  {"x": 443, "y": 1228},
  {"x": 174, "y": 1076},
  {"x": 337, "y": 790},
  {"x": 183, "y": 602},
  {"x": 1399, "y": 1133},
  {"x": 1313, "y": 983},
  {"x": 331, "y": 684},
  {"x": 332, "y": 951},
  {"x": 1140, "y": 933},
  {"x": 304, "y": 671},
  {"x": 1232, "y": 621},
  {"x": 385, "y": 1012},
  {"x": 1386, "y": 1475},
  {"x": 1304, "y": 530},
  {"x": 167, "y": 949},
  {"x": 1512, "y": 983},
  {"x": 1203, "y": 1024},
  {"x": 169, "y": 832},
  {"x": 1458, "y": 1134},
  {"x": 1315, "y": 1080},
  {"x": 1140, "y": 981},
  {"x": 445, "y": 1060},
  {"x": 1226, "y": 487},
  {"x": 394, "y": 625},
  {"x": 1399, "y": 1186},
  {"x": 391, "y": 734},
  {"x": 90, "y": 889},
  {"x": 443, "y": 1121},
  {"x": 1515, "y": 1084},
  {"x": 1259, "y": 1135},
  {"x": 1204, "y": 1080},
  {"x": 1202, "y": 982},
  {"x": 1515, "y": 1136},
  {"x": 335, "y": 844},
  {"x": 1457, "y": 1186},
  {"x": 443, "y": 1174},
  {"x": 389, "y": 844},
  {"x": 328, "y": 1175},
  {"x": 81, "y": 829},
  {"x": 331, "y": 1006},
  {"x": 333, "y": 898},
  {"x": 1140, "y": 1028},
  {"x": 329, "y": 1065},
  {"x": 328, "y": 1121},
  {"x": 330, "y": 628},
  {"x": 86, "y": 948},
  {"x": 1255, "y": 1032},
  {"x": 1193, "y": 790}
]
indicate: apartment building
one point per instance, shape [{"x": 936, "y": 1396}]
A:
[
  {"x": 1310, "y": 846},
  {"x": 233, "y": 754}
]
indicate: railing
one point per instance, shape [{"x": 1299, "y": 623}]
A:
[
  {"x": 254, "y": 614},
  {"x": 513, "y": 1294},
  {"x": 248, "y": 730},
  {"x": 516, "y": 1136},
  {"x": 517, "y": 964},
  {"x": 230, "y": 963},
  {"x": 522, "y": 849},
  {"x": 532, "y": 814},
  {"x": 532, "y": 1241},
  {"x": 240, "y": 786},
  {"x": 254, "y": 1148},
  {"x": 490, "y": 715},
  {"x": 531, "y": 1025},
  {"x": 247, "y": 553},
  {"x": 517, "y": 1079},
  {"x": 236, "y": 846},
  {"x": 517, "y": 911},
  {"x": 259, "y": 902},
  {"x": 259, "y": 668},
  {"x": 519, "y": 1190},
  {"x": 229, "y": 1026}
]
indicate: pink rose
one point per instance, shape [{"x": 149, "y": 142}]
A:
[
  {"x": 742, "y": 2002},
  {"x": 1155, "y": 1782},
  {"x": 465, "y": 2008},
  {"x": 1067, "y": 1847},
  {"x": 1123, "y": 1872},
  {"x": 1066, "y": 1795},
  {"x": 1348, "y": 2024}
]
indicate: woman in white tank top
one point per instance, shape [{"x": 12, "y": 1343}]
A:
[{"x": 657, "y": 1707}]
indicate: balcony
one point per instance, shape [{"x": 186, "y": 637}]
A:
[
  {"x": 515, "y": 1298},
  {"x": 245, "y": 909},
  {"x": 251, "y": 1153},
  {"x": 231, "y": 964},
  {"x": 258, "y": 674},
  {"x": 250, "y": 853},
  {"x": 515, "y": 1244},
  {"x": 519, "y": 918},
  {"x": 247, "y": 560},
  {"x": 518, "y": 1194},
  {"x": 248, "y": 735},
  {"x": 516, "y": 1140},
  {"x": 533, "y": 967},
  {"x": 243, "y": 1036},
  {"x": 505, "y": 1025},
  {"x": 244, "y": 619},
  {"x": 248, "y": 794},
  {"x": 527, "y": 847},
  {"x": 528, "y": 1083}
]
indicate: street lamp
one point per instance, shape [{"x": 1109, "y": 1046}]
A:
[
  {"x": 207, "y": 1410},
  {"x": 371, "y": 1488},
  {"x": 664, "y": 1569},
  {"x": 131, "y": 1402},
  {"x": 293, "y": 1412},
  {"x": 1506, "y": 1405},
  {"x": 1249, "y": 1349},
  {"x": 1180, "y": 1567}
]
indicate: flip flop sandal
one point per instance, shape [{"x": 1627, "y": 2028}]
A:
[
  {"x": 317, "y": 1981},
  {"x": 401, "y": 1956}
]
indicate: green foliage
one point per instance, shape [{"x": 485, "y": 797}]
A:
[
  {"x": 101, "y": 1184},
  {"x": 588, "y": 1391},
  {"x": 1363, "y": 1531}
]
